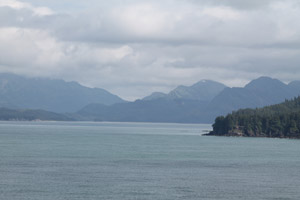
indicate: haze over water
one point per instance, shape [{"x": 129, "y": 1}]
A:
[{"x": 50, "y": 160}]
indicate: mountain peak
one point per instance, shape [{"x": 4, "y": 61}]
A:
[
  {"x": 265, "y": 82},
  {"x": 206, "y": 82},
  {"x": 50, "y": 94},
  {"x": 154, "y": 95},
  {"x": 204, "y": 90}
]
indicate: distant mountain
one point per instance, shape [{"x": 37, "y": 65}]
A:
[
  {"x": 199, "y": 103},
  {"x": 155, "y": 95},
  {"x": 177, "y": 106},
  {"x": 195, "y": 104},
  {"x": 157, "y": 110},
  {"x": 258, "y": 93},
  {"x": 30, "y": 115},
  {"x": 294, "y": 86},
  {"x": 281, "y": 120},
  {"x": 204, "y": 90},
  {"x": 52, "y": 95}
]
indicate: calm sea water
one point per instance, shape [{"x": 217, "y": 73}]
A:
[{"x": 120, "y": 161}]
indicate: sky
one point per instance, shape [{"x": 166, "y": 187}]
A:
[{"x": 135, "y": 47}]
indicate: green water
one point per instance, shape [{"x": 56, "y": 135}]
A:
[{"x": 120, "y": 161}]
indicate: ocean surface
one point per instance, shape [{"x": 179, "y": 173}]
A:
[{"x": 142, "y": 161}]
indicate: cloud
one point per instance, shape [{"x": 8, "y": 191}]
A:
[
  {"x": 133, "y": 48},
  {"x": 40, "y": 11}
]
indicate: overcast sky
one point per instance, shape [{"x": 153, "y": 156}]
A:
[{"x": 135, "y": 47}]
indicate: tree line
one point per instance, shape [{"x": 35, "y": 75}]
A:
[{"x": 281, "y": 120}]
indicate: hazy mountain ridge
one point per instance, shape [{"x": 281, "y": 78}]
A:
[
  {"x": 257, "y": 93},
  {"x": 155, "y": 95},
  {"x": 176, "y": 106},
  {"x": 260, "y": 92},
  {"x": 47, "y": 94},
  {"x": 204, "y": 90},
  {"x": 199, "y": 103},
  {"x": 157, "y": 110}
]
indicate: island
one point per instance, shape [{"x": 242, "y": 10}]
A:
[{"x": 278, "y": 121}]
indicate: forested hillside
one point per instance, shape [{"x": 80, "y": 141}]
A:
[{"x": 282, "y": 120}]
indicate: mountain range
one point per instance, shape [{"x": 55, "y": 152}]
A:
[
  {"x": 198, "y": 103},
  {"x": 176, "y": 106},
  {"x": 258, "y": 93},
  {"x": 204, "y": 90},
  {"x": 53, "y": 95}
]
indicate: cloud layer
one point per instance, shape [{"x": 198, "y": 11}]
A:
[{"x": 133, "y": 48}]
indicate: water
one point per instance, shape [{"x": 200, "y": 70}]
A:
[{"x": 125, "y": 161}]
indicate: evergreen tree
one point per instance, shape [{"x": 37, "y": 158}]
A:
[{"x": 282, "y": 120}]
